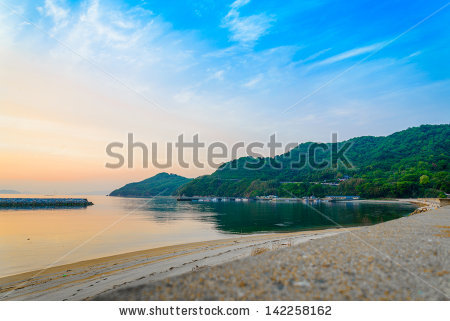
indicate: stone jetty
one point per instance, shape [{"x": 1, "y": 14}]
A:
[{"x": 43, "y": 202}]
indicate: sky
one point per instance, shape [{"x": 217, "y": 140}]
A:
[{"x": 78, "y": 75}]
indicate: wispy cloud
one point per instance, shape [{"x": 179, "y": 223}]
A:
[
  {"x": 313, "y": 56},
  {"x": 253, "y": 82},
  {"x": 113, "y": 31},
  {"x": 56, "y": 10},
  {"x": 350, "y": 54},
  {"x": 218, "y": 75},
  {"x": 246, "y": 30}
]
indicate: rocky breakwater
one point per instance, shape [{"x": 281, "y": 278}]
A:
[
  {"x": 43, "y": 202},
  {"x": 427, "y": 204}
]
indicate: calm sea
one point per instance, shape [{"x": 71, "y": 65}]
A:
[{"x": 34, "y": 238}]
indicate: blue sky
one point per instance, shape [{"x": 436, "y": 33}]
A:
[
  {"x": 265, "y": 55},
  {"x": 228, "y": 70}
]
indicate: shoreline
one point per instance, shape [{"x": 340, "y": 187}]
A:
[
  {"x": 131, "y": 268},
  {"x": 225, "y": 236},
  {"x": 84, "y": 279},
  {"x": 402, "y": 259}
]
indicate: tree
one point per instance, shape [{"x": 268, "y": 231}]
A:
[{"x": 424, "y": 180}]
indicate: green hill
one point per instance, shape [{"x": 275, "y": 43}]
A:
[
  {"x": 410, "y": 163},
  {"x": 162, "y": 184}
]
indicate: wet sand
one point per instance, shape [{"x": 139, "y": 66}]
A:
[{"x": 85, "y": 279}]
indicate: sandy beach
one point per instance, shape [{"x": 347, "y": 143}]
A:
[
  {"x": 403, "y": 259},
  {"x": 83, "y": 280}
]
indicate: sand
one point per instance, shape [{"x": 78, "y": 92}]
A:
[
  {"x": 402, "y": 259},
  {"x": 83, "y": 280}
]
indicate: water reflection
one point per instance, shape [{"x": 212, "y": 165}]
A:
[
  {"x": 33, "y": 238},
  {"x": 253, "y": 217},
  {"x": 269, "y": 217}
]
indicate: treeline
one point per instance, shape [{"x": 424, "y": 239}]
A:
[{"x": 411, "y": 163}]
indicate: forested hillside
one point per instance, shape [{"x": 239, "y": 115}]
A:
[
  {"x": 162, "y": 184},
  {"x": 410, "y": 163}
]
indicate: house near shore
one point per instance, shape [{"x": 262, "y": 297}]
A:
[
  {"x": 341, "y": 198},
  {"x": 344, "y": 178}
]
